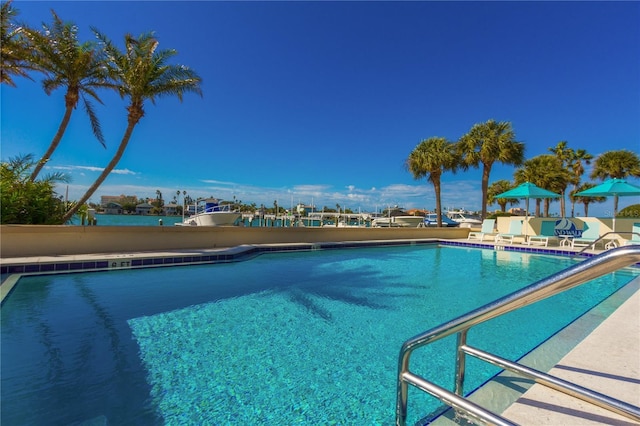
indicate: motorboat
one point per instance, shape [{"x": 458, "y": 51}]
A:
[
  {"x": 339, "y": 220},
  {"x": 210, "y": 212},
  {"x": 464, "y": 218},
  {"x": 398, "y": 222},
  {"x": 397, "y": 218},
  {"x": 431, "y": 219}
]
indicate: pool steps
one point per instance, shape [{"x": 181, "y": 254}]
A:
[
  {"x": 574, "y": 353},
  {"x": 625, "y": 403}
]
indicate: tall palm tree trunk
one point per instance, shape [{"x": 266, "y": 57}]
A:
[
  {"x": 437, "y": 189},
  {"x": 486, "y": 171},
  {"x": 107, "y": 170},
  {"x": 547, "y": 206},
  {"x": 54, "y": 143}
]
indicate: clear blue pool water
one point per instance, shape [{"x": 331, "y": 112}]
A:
[{"x": 287, "y": 338}]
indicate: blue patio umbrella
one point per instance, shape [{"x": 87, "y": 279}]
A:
[
  {"x": 615, "y": 187},
  {"x": 528, "y": 190}
]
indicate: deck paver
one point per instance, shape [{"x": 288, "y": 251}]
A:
[{"x": 607, "y": 361}]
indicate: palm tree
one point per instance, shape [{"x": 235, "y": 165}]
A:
[
  {"x": 142, "y": 73},
  {"x": 585, "y": 200},
  {"x": 78, "y": 67},
  {"x": 497, "y": 188},
  {"x": 545, "y": 171},
  {"x": 486, "y": 144},
  {"x": 14, "y": 51},
  {"x": 578, "y": 170},
  {"x": 564, "y": 155},
  {"x": 571, "y": 160},
  {"x": 431, "y": 158},
  {"x": 617, "y": 165}
]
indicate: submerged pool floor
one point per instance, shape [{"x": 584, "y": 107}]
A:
[{"x": 306, "y": 338}]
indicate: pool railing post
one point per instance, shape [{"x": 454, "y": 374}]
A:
[
  {"x": 402, "y": 398},
  {"x": 460, "y": 362}
]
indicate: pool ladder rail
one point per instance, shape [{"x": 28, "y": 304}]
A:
[{"x": 571, "y": 277}]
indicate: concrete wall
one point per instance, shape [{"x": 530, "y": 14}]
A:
[
  {"x": 42, "y": 240},
  {"x": 623, "y": 226}
]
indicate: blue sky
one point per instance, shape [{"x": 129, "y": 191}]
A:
[{"x": 323, "y": 101}]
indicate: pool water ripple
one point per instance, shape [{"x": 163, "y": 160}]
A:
[{"x": 304, "y": 338}]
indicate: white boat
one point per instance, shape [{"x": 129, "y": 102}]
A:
[
  {"x": 210, "y": 212},
  {"x": 398, "y": 221},
  {"x": 397, "y": 218},
  {"x": 464, "y": 218},
  {"x": 339, "y": 220}
]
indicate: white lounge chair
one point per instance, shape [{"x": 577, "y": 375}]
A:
[
  {"x": 486, "y": 230},
  {"x": 635, "y": 237},
  {"x": 547, "y": 232},
  {"x": 515, "y": 230},
  {"x": 590, "y": 234}
]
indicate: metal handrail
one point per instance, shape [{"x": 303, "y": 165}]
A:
[
  {"x": 602, "y": 237},
  {"x": 571, "y": 277}
]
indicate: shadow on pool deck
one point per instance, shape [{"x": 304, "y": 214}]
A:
[{"x": 607, "y": 361}]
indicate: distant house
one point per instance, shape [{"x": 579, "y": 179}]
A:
[
  {"x": 517, "y": 211},
  {"x": 143, "y": 209},
  {"x": 106, "y": 199},
  {"x": 113, "y": 208},
  {"x": 304, "y": 209},
  {"x": 170, "y": 209}
]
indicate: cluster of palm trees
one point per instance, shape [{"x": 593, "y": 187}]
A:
[
  {"x": 141, "y": 72},
  {"x": 495, "y": 142}
]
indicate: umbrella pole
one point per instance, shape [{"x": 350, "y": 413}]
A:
[
  {"x": 614, "y": 221},
  {"x": 526, "y": 216}
]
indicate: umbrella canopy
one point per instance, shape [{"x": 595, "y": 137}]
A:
[
  {"x": 528, "y": 190},
  {"x": 615, "y": 187},
  {"x": 609, "y": 187}
]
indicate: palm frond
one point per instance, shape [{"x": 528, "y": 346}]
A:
[
  {"x": 14, "y": 49},
  {"x": 56, "y": 177},
  {"x": 21, "y": 164},
  {"x": 95, "y": 123}
]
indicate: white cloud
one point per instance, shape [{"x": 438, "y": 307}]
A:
[
  {"x": 123, "y": 172},
  {"x": 93, "y": 169},
  {"x": 218, "y": 182}
]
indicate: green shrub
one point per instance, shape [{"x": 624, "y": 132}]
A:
[
  {"x": 630, "y": 211},
  {"x": 25, "y": 202}
]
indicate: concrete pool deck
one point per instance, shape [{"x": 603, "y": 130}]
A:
[{"x": 607, "y": 360}]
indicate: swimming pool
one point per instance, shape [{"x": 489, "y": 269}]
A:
[{"x": 297, "y": 337}]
